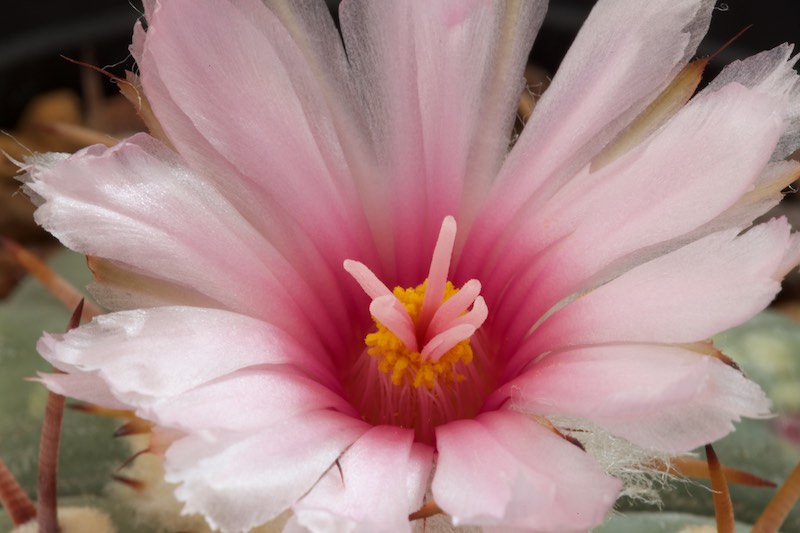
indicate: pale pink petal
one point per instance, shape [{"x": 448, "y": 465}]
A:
[
  {"x": 659, "y": 397},
  {"x": 419, "y": 472},
  {"x": 688, "y": 295},
  {"x": 239, "y": 482},
  {"x": 247, "y": 400},
  {"x": 380, "y": 483},
  {"x": 86, "y": 386},
  {"x": 438, "y": 148},
  {"x": 626, "y": 52},
  {"x": 505, "y": 469},
  {"x": 770, "y": 78},
  {"x": 261, "y": 113},
  {"x": 636, "y": 207},
  {"x": 770, "y": 72},
  {"x": 766, "y": 193},
  {"x": 118, "y": 287},
  {"x": 138, "y": 205},
  {"x": 792, "y": 257},
  {"x": 146, "y": 355},
  {"x": 652, "y": 179}
]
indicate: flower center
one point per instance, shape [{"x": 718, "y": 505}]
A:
[
  {"x": 411, "y": 367},
  {"x": 417, "y": 367}
]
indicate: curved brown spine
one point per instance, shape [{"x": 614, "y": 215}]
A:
[{"x": 14, "y": 499}]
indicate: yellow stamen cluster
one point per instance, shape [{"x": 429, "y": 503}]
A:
[{"x": 412, "y": 367}]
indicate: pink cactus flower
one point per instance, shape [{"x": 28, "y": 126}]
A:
[{"x": 344, "y": 296}]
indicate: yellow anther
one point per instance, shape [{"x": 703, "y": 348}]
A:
[{"x": 411, "y": 367}]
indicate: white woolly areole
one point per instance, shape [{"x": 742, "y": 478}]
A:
[{"x": 641, "y": 471}]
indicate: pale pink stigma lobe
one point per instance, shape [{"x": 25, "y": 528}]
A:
[
  {"x": 393, "y": 314},
  {"x": 437, "y": 275},
  {"x": 365, "y": 277}
]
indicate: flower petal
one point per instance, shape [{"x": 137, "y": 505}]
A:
[
  {"x": 767, "y": 192},
  {"x": 688, "y": 295},
  {"x": 770, "y": 72},
  {"x": 625, "y": 54},
  {"x": 505, "y": 469},
  {"x": 380, "y": 483},
  {"x": 118, "y": 287},
  {"x": 639, "y": 206},
  {"x": 659, "y": 397},
  {"x": 438, "y": 148},
  {"x": 260, "y": 113},
  {"x": 86, "y": 386},
  {"x": 770, "y": 81},
  {"x": 147, "y": 355},
  {"x": 240, "y": 483},
  {"x": 138, "y": 205},
  {"x": 245, "y": 401}
]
